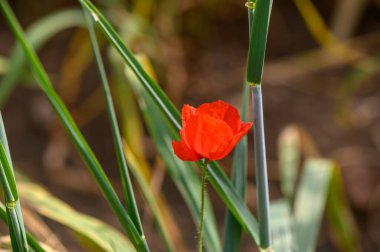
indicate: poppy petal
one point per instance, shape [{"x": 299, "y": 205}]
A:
[
  {"x": 223, "y": 111},
  {"x": 207, "y": 136},
  {"x": 183, "y": 152},
  {"x": 245, "y": 127},
  {"x": 187, "y": 112}
]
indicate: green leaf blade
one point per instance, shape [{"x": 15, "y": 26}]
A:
[
  {"x": 129, "y": 196},
  {"x": 232, "y": 228},
  {"x": 310, "y": 202},
  {"x": 282, "y": 226},
  {"x": 258, "y": 40},
  {"x": 8, "y": 184},
  {"x": 339, "y": 215}
]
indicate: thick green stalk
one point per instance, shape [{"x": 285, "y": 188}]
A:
[
  {"x": 203, "y": 191},
  {"x": 124, "y": 173},
  {"x": 258, "y": 16},
  {"x": 261, "y": 168},
  {"x": 73, "y": 131}
]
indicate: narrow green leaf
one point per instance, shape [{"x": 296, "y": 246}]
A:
[
  {"x": 340, "y": 216},
  {"x": 17, "y": 233},
  {"x": 151, "y": 200},
  {"x": 6, "y": 177},
  {"x": 77, "y": 138},
  {"x": 310, "y": 202},
  {"x": 129, "y": 196},
  {"x": 5, "y": 156},
  {"x": 38, "y": 33},
  {"x": 282, "y": 226},
  {"x": 338, "y": 212},
  {"x": 133, "y": 133},
  {"x": 217, "y": 177},
  {"x": 232, "y": 228},
  {"x": 8, "y": 184},
  {"x": 32, "y": 241},
  {"x": 235, "y": 204},
  {"x": 258, "y": 39}
]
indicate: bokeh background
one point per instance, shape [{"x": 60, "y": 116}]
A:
[{"x": 322, "y": 73}]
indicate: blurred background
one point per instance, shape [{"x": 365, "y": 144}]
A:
[{"x": 322, "y": 74}]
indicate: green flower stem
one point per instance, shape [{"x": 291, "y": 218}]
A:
[{"x": 203, "y": 190}]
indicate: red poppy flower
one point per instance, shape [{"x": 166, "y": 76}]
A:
[{"x": 210, "y": 131}]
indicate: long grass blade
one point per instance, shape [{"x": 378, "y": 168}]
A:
[
  {"x": 152, "y": 198},
  {"x": 123, "y": 168},
  {"x": 12, "y": 203},
  {"x": 282, "y": 226},
  {"x": 38, "y": 33},
  {"x": 32, "y": 241},
  {"x": 7, "y": 179},
  {"x": 258, "y": 39},
  {"x": 295, "y": 142},
  {"x": 169, "y": 229},
  {"x": 340, "y": 216},
  {"x": 232, "y": 228},
  {"x": 217, "y": 178},
  {"x": 310, "y": 202},
  {"x": 77, "y": 138}
]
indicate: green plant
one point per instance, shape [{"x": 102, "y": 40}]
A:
[
  {"x": 297, "y": 217},
  {"x": 162, "y": 121},
  {"x": 12, "y": 203}
]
